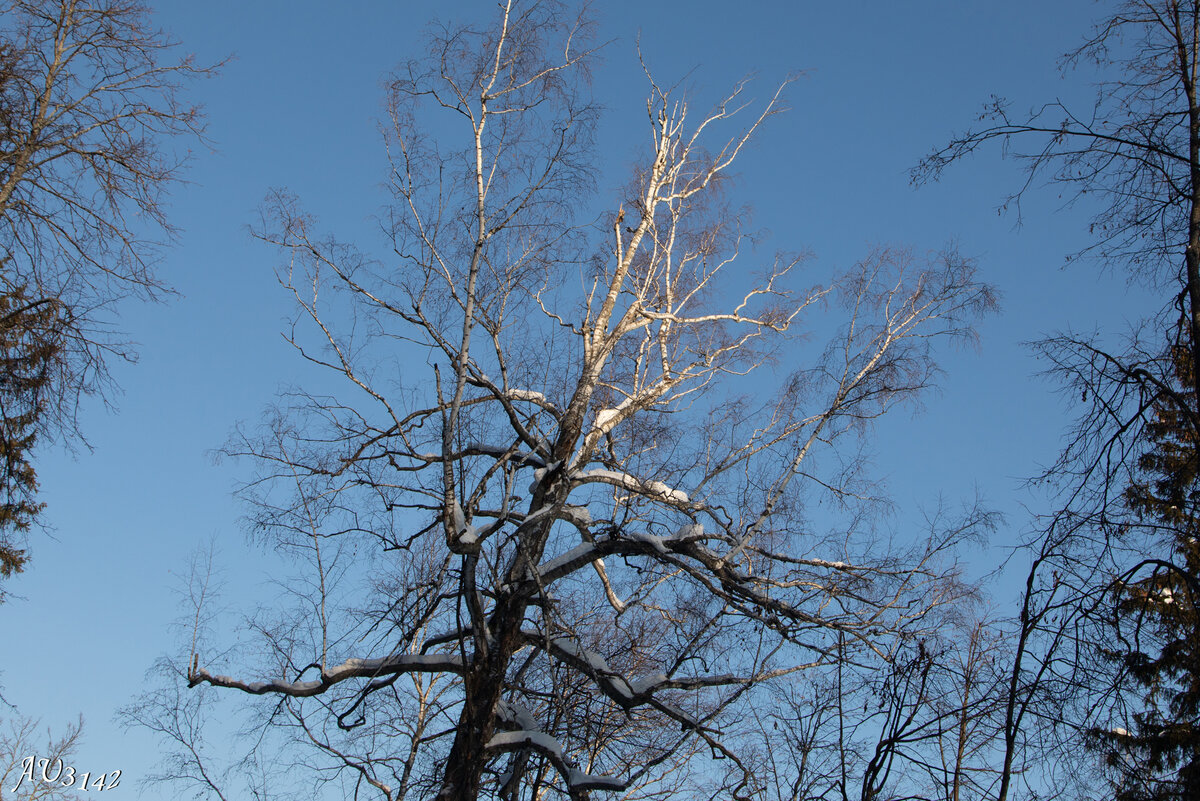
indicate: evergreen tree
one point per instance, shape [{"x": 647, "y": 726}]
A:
[
  {"x": 1157, "y": 621},
  {"x": 30, "y": 344}
]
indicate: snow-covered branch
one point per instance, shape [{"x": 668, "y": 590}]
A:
[{"x": 350, "y": 669}]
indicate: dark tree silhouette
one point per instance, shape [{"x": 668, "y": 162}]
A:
[
  {"x": 30, "y": 345},
  {"x": 1156, "y": 620},
  {"x": 89, "y": 99},
  {"x": 1118, "y": 537}
]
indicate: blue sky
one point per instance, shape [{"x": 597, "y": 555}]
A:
[{"x": 298, "y": 107}]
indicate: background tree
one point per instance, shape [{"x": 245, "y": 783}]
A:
[
  {"x": 19, "y": 741},
  {"x": 559, "y": 556},
  {"x": 925, "y": 722},
  {"x": 1137, "y": 151},
  {"x": 1156, "y": 621},
  {"x": 89, "y": 95}
]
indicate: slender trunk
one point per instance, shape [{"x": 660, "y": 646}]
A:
[
  {"x": 960, "y": 755},
  {"x": 1185, "y": 46},
  {"x": 27, "y": 150},
  {"x": 1014, "y": 710},
  {"x": 1192, "y": 266}
]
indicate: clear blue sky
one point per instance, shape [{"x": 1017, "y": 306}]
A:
[{"x": 298, "y": 107}]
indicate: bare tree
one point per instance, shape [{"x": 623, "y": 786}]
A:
[
  {"x": 26, "y": 762},
  {"x": 1137, "y": 150},
  {"x": 89, "y": 97},
  {"x": 178, "y": 716},
  {"x": 924, "y": 722},
  {"x": 560, "y": 556}
]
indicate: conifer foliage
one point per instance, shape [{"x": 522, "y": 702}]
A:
[
  {"x": 29, "y": 350},
  {"x": 1158, "y": 643}
]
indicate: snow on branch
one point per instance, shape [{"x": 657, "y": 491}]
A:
[
  {"x": 577, "y": 781},
  {"x": 351, "y": 668},
  {"x": 632, "y": 483},
  {"x": 568, "y": 562},
  {"x": 629, "y": 694},
  {"x": 530, "y": 396},
  {"x": 684, "y": 549},
  {"x": 518, "y": 458}
]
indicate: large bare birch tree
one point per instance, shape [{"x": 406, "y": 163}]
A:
[{"x": 561, "y": 516}]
